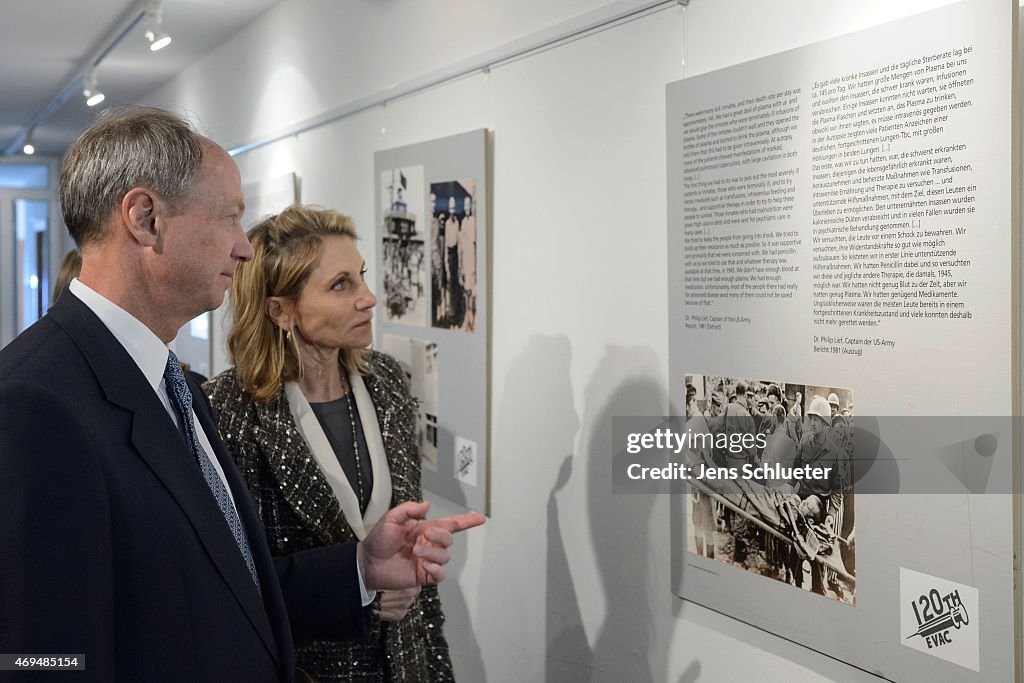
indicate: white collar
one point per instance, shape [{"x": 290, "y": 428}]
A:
[
  {"x": 145, "y": 348},
  {"x": 309, "y": 426}
]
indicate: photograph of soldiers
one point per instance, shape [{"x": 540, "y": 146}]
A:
[
  {"x": 453, "y": 255},
  {"x": 404, "y": 268},
  {"x": 796, "y": 531}
]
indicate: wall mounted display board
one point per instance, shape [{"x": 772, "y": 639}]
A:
[
  {"x": 432, "y": 287},
  {"x": 841, "y": 243}
]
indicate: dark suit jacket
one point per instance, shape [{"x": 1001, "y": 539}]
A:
[{"x": 111, "y": 544}]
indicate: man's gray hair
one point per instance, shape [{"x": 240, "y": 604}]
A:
[{"x": 127, "y": 147}]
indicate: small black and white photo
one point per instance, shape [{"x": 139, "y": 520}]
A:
[
  {"x": 402, "y": 244},
  {"x": 418, "y": 358}
]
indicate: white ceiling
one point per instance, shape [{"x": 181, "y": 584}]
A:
[{"x": 45, "y": 45}]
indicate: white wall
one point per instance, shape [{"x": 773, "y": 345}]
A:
[{"x": 566, "y": 581}]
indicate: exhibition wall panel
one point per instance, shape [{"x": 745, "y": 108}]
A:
[{"x": 850, "y": 203}]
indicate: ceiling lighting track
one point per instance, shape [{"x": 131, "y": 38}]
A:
[{"x": 124, "y": 26}]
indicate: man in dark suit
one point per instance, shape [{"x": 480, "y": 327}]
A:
[{"x": 126, "y": 534}]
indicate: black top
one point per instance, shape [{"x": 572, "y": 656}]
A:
[{"x": 336, "y": 421}]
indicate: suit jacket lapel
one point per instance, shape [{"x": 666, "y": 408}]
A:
[
  {"x": 302, "y": 484},
  {"x": 160, "y": 445},
  {"x": 311, "y": 478},
  {"x": 249, "y": 599},
  {"x": 372, "y": 420}
]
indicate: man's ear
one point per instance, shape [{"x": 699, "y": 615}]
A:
[
  {"x": 280, "y": 310},
  {"x": 139, "y": 215}
]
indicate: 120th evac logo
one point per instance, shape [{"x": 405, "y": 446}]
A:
[{"x": 938, "y": 616}]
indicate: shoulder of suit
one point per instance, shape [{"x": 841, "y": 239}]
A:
[{"x": 42, "y": 348}]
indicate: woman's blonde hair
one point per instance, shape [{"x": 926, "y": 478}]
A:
[
  {"x": 287, "y": 248},
  {"x": 70, "y": 267}
]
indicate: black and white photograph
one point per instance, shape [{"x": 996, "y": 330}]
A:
[
  {"x": 795, "y": 530},
  {"x": 418, "y": 358},
  {"x": 453, "y": 255},
  {"x": 402, "y": 245}
]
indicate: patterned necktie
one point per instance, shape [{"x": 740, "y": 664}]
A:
[{"x": 180, "y": 395}]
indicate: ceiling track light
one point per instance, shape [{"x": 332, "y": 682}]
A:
[
  {"x": 29, "y": 148},
  {"x": 127, "y": 24},
  {"x": 91, "y": 91},
  {"x": 156, "y": 37}
]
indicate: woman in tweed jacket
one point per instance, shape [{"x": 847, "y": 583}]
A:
[{"x": 323, "y": 431}]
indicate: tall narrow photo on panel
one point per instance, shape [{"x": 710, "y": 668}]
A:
[
  {"x": 453, "y": 255},
  {"x": 402, "y": 243},
  {"x": 418, "y": 359}
]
